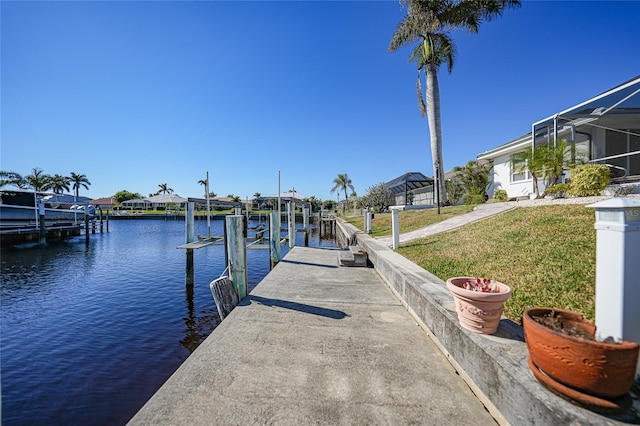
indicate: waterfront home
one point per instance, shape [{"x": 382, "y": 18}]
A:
[{"x": 604, "y": 129}]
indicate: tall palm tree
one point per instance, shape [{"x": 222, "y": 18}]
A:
[
  {"x": 78, "y": 181},
  {"x": 11, "y": 178},
  {"x": 429, "y": 23},
  {"x": 38, "y": 180},
  {"x": 59, "y": 183},
  {"x": 341, "y": 183},
  {"x": 164, "y": 189}
]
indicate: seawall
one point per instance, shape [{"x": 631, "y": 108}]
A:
[{"x": 495, "y": 367}]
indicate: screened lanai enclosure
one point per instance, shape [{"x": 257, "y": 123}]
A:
[
  {"x": 411, "y": 189},
  {"x": 601, "y": 130}
]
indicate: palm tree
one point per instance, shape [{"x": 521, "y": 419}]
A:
[
  {"x": 164, "y": 189},
  {"x": 11, "y": 178},
  {"x": 257, "y": 195},
  {"x": 342, "y": 182},
  {"x": 429, "y": 22},
  {"x": 474, "y": 177},
  {"x": 59, "y": 183},
  {"x": 37, "y": 180},
  {"x": 78, "y": 181},
  {"x": 528, "y": 160}
]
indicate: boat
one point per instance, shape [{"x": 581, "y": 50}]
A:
[{"x": 19, "y": 210}]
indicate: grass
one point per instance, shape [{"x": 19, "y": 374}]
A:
[
  {"x": 409, "y": 219},
  {"x": 545, "y": 254}
]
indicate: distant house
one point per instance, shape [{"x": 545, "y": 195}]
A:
[
  {"x": 411, "y": 189},
  {"x": 106, "y": 203},
  {"x": 603, "y": 130},
  {"x": 155, "y": 202},
  {"x": 285, "y": 197}
]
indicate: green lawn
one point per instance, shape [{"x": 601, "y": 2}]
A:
[
  {"x": 545, "y": 254},
  {"x": 409, "y": 219}
]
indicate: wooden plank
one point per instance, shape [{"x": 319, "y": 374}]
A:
[
  {"x": 224, "y": 295},
  {"x": 195, "y": 245}
]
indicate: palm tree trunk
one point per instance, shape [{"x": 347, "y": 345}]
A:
[{"x": 435, "y": 127}]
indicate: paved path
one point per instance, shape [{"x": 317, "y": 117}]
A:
[
  {"x": 482, "y": 211},
  {"x": 316, "y": 344}
]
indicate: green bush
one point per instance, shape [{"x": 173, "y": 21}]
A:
[
  {"x": 500, "y": 195},
  {"x": 588, "y": 180},
  {"x": 470, "y": 199},
  {"x": 559, "y": 190}
]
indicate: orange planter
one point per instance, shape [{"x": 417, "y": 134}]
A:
[
  {"x": 574, "y": 366},
  {"x": 477, "y": 311}
]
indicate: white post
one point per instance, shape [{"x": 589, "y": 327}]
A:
[
  {"x": 238, "y": 211},
  {"x": 395, "y": 227},
  {"x": 237, "y": 248},
  {"x": 617, "y": 269},
  {"x": 291, "y": 213}
]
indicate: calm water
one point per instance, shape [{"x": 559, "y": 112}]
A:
[{"x": 91, "y": 331}]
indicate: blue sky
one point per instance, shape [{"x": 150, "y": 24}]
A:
[{"x": 137, "y": 94}]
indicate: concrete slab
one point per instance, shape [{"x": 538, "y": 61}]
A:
[{"x": 316, "y": 344}]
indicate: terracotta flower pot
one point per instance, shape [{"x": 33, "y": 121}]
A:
[
  {"x": 603, "y": 370},
  {"x": 477, "y": 311}
]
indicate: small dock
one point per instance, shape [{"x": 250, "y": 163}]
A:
[{"x": 316, "y": 343}]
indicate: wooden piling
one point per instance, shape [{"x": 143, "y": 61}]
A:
[
  {"x": 43, "y": 227},
  {"x": 237, "y": 248},
  {"x": 86, "y": 228},
  {"x": 189, "y": 238},
  {"x": 274, "y": 238},
  {"x": 291, "y": 217},
  {"x": 305, "y": 220}
]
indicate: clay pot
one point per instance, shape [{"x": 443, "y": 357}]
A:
[
  {"x": 478, "y": 312},
  {"x": 604, "y": 370}
]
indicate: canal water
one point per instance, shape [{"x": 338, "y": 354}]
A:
[{"x": 91, "y": 330}]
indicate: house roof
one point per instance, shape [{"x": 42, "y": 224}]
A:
[
  {"x": 621, "y": 99},
  {"x": 408, "y": 182},
  {"x": 103, "y": 201},
  {"x": 166, "y": 198}
]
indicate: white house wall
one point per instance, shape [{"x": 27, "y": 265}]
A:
[{"x": 501, "y": 179}]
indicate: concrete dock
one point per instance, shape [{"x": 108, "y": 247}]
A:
[{"x": 315, "y": 343}]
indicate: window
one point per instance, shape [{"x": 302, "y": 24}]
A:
[{"x": 519, "y": 177}]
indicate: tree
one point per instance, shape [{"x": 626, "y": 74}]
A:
[
  {"x": 474, "y": 177},
  {"x": 38, "y": 180},
  {"x": 454, "y": 189},
  {"x": 59, "y": 183},
  {"x": 257, "y": 195},
  {"x": 315, "y": 203},
  {"x": 546, "y": 161},
  {"x": 341, "y": 183},
  {"x": 378, "y": 198},
  {"x": 124, "y": 195},
  {"x": 11, "y": 178},
  {"x": 79, "y": 181},
  {"x": 164, "y": 189},
  {"x": 429, "y": 22}
]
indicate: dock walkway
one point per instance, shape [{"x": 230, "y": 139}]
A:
[{"x": 315, "y": 343}]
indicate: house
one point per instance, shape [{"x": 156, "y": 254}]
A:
[
  {"x": 602, "y": 130},
  {"x": 411, "y": 189},
  {"x": 106, "y": 203},
  {"x": 155, "y": 202},
  {"x": 285, "y": 197}
]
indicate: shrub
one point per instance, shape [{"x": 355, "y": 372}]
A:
[
  {"x": 588, "y": 180},
  {"x": 558, "y": 190},
  {"x": 500, "y": 195},
  {"x": 473, "y": 199}
]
